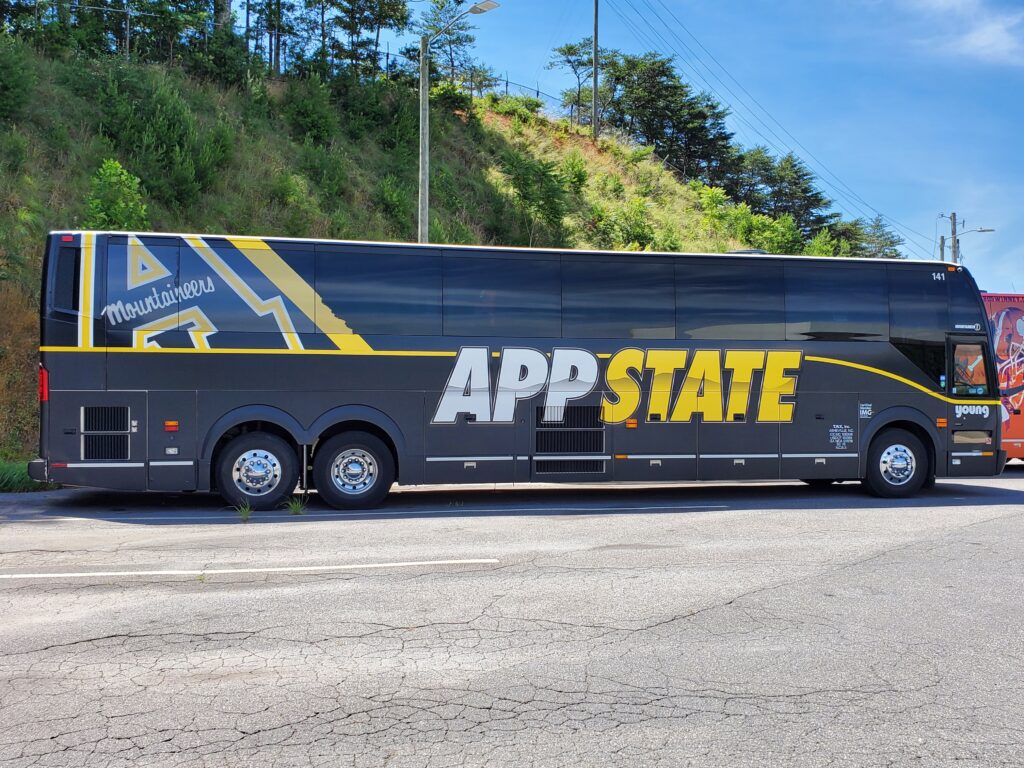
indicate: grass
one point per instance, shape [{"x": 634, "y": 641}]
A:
[
  {"x": 244, "y": 511},
  {"x": 296, "y": 505},
  {"x": 14, "y": 479}
]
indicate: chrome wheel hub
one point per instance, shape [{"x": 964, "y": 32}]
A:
[
  {"x": 256, "y": 473},
  {"x": 354, "y": 471},
  {"x": 897, "y": 464}
]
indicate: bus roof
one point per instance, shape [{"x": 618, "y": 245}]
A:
[{"x": 515, "y": 249}]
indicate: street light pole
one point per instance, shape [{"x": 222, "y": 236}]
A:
[
  {"x": 423, "y": 213},
  {"x": 954, "y": 244},
  {"x": 423, "y": 222}
]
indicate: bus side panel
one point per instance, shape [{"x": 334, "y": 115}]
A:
[
  {"x": 823, "y": 440},
  {"x": 1006, "y": 323},
  {"x": 172, "y": 441}
]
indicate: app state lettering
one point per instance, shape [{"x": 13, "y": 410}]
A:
[{"x": 675, "y": 385}]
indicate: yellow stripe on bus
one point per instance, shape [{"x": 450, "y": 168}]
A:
[
  {"x": 249, "y": 351},
  {"x": 896, "y": 377}
]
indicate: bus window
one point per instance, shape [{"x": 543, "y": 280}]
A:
[
  {"x": 836, "y": 303},
  {"x": 65, "y": 284},
  {"x": 377, "y": 291},
  {"x": 919, "y": 309},
  {"x": 618, "y": 300},
  {"x": 721, "y": 302},
  {"x": 501, "y": 297},
  {"x": 969, "y": 376}
]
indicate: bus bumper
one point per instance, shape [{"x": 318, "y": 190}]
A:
[
  {"x": 37, "y": 470},
  {"x": 1000, "y": 462}
]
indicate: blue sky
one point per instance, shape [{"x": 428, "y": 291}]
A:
[{"x": 917, "y": 106}]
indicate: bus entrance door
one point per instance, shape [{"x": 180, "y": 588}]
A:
[{"x": 973, "y": 426}]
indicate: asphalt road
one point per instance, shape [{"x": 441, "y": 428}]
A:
[{"x": 762, "y": 625}]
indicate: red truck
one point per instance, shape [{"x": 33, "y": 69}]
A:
[{"x": 1006, "y": 324}]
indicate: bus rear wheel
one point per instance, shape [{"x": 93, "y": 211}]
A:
[
  {"x": 258, "y": 469},
  {"x": 353, "y": 470},
  {"x": 897, "y": 465}
]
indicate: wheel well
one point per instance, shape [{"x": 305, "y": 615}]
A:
[
  {"x": 917, "y": 431},
  {"x": 251, "y": 426},
  {"x": 360, "y": 426}
]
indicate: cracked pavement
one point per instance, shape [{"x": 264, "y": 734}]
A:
[{"x": 767, "y": 625}]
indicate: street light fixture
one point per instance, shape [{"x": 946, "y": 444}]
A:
[{"x": 423, "y": 222}]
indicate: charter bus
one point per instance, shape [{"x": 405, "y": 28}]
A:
[
  {"x": 1006, "y": 325},
  {"x": 255, "y": 366}
]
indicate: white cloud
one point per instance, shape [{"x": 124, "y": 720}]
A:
[{"x": 975, "y": 29}]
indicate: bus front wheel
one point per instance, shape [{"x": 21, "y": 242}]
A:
[
  {"x": 353, "y": 470},
  {"x": 258, "y": 469},
  {"x": 897, "y": 464}
]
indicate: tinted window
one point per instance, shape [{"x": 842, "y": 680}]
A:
[
  {"x": 837, "y": 303},
  {"x": 65, "y": 280},
  {"x": 501, "y": 297},
  {"x": 965, "y": 307},
  {"x": 919, "y": 305},
  {"x": 618, "y": 300},
  {"x": 379, "y": 292},
  {"x": 729, "y": 300},
  {"x": 919, "y": 317}
]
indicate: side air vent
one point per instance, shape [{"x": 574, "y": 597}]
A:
[
  {"x": 577, "y": 466},
  {"x": 105, "y": 432},
  {"x": 104, "y": 447},
  {"x": 567, "y": 435},
  {"x": 105, "y": 418}
]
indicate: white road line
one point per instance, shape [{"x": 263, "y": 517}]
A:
[
  {"x": 209, "y": 571},
  {"x": 354, "y": 516}
]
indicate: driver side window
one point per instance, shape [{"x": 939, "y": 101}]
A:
[{"x": 969, "y": 377}]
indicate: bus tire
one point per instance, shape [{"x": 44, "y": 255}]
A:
[
  {"x": 897, "y": 464},
  {"x": 257, "y": 468},
  {"x": 353, "y": 470}
]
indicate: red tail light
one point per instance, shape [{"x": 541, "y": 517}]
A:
[{"x": 44, "y": 385}]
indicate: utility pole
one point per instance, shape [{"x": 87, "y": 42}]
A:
[
  {"x": 127, "y": 30},
  {"x": 954, "y": 244},
  {"x": 942, "y": 247},
  {"x": 423, "y": 217},
  {"x": 593, "y": 99}
]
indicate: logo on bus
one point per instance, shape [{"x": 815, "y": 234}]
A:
[
  {"x": 680, "y": 384},
  {"x": 971, "y": 410}
]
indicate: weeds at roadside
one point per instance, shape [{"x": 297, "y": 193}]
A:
[
  {"x": 14, "y": 479},
  {"x": 244, "y": 511},
  {"x": 296, "y": 505}
]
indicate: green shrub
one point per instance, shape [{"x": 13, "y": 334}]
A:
[
  {"x": 13, "y": 150},
  {"x": 524, "y": 107},
  {"x": 329, "y": 170},
  {"x": 115, "y": 201},
  {"x": 147, "y": 119},
  {"x": 17, "y": 78},
  {"x": 574, "y": 171},
  {"x": 308, "y": 109},
  {"x": 292, "y": 191},
  {"x": 451, "y": 97},
  {"x": 538, "y": 190},
  {"x": 394, "y": 199}
]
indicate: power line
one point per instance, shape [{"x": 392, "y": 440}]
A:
[
  {"x": 840, "y": 194},
  {"x": 798, "y": 143}
]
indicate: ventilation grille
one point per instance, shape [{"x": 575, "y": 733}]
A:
[
  {"x": 105, "y": 418},
  {"x": 571, "y": 417},
  {"x": 576, "y": 466},
  {"x": 570, "y": 441},
  {"x": 575, "y": 429},
  {"x": 105, "y": 447}
]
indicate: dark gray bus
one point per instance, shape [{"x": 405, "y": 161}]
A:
[{"x": 254, "y": 366}]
